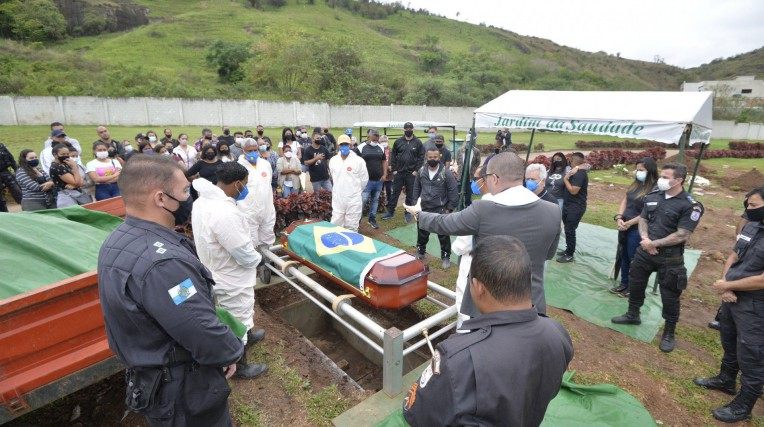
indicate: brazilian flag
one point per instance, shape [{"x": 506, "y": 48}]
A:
[{"x": 343, "y": 253}]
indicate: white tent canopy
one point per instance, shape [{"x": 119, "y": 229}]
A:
[
  {"x": 659, "y": 116},
  {"x": 399, "y": 124}
]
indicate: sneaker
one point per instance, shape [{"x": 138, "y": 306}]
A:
[
  {"x": 565, "y": 258},
  {"x": 387, "y": 215},
  {"x": 562, "y": 252},
  {"x": 373, "y": 223},
  {"x": 419, "y": 255},
  {"x": 446, "y": 263},
  {"x": 255, "y": 335},
  {"x": 630, "y": 318},
  {"x": 624, "y": 294},
  {"x": 618, "y": 289},
  {"x": 407, "y": 217}
]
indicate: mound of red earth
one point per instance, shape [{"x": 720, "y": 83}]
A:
[{"x": 745, "y": 182}]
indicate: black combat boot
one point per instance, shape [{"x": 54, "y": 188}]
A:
[
  {"x": 738, "y": 410},
  {"x": 630, "y": 318},
  {"x": 249, "y": 371},
  {"x": 724, "y": 382},
  {"x": 667, "y": 339},
  {"x": 254, "y": 336}
]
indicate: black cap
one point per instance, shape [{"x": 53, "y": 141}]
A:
[
  {"x": 140, "y": 135},
  {"x": 408, "y": 125}
]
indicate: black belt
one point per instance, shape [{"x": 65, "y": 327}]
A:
[{"x": 179, "y": 356}]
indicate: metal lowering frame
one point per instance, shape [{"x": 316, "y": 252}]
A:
[{"x": 393, "y": 344}]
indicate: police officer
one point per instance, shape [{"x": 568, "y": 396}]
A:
[
  {"x": 509, "y": 365},
  {"x": 157, "y": 304},
  {"x": 8, "y": 178},
  {"x": 668, "y": 219},
  {"x": 741, "y": 317}
]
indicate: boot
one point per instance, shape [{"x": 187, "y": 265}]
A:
[
  {"x": 738, "y": 410},
  {"x": 724, "y": 381},
  {"x": 630, "y": 318},
  {"x": 249, "y": 371},
  {"x": 667, "y": 339},
  {"x": 254, "y": 336}
]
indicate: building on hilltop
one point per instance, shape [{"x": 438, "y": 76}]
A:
[{"x": 739, "y": 87}]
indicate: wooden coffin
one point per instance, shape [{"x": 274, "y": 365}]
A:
[{"x": 393, "y": 282}]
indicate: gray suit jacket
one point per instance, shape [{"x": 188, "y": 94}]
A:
[{"x": 536, "y": 224}]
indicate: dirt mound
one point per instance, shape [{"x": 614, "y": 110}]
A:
[
  {"x": 690, "y": 163},
  {"x": 745, "y": 182}
]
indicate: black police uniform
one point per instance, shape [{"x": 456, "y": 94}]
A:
[
  {"x": 8, "y": 178},
  {"x": 505, "y": 371},
  {"x": 664, "y": 217},
  {"x": 161, "y": 323},
  {"x": 742, "y": 322}
]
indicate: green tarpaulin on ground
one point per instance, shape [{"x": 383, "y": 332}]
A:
[
  {"x": 40, "y": 248},
  {"x": 344, "y": 253},
  {"x": 582, "y": 286},
  {"x": 579, "y": 405},
  {"x": 408, "y": 235}
]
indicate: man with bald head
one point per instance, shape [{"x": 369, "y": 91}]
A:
[
  {"x": 116, "y": 149},
  {"x": 512, "y": 211},
  {"x": 156, "y": 298}
]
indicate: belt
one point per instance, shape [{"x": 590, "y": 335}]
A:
[{"x": 179, "y": 356}]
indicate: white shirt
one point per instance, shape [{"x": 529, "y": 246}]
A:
[
  {"x": 187, "y": 157},
  {"x": 106, "y": 167}
]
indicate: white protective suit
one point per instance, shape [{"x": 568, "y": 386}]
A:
[
  {"x": 349, "y": 178},
  {"x": 462, "y": 246},
  {"x": 258, "y": 206},
  {"x": 224, "y": 245}
]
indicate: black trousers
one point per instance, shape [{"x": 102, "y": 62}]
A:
[
  {"x": 8, "y": 180},
  {"x": 401, "y": 179},
  {"x": 423, "y": 236},
  {"x": 672, "y": 279},
  {"x": 742, "y": 334},
  {"x": 571, "y": 217}
]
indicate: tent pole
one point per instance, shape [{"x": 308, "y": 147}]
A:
[
  {"x": 697, "y": 164},
  {"x": 465, "y": 178},
  {"x": 682, "y": 143},
  {"x": 530, "y": 146}
]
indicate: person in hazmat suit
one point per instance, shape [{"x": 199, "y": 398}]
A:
[
  {"x": 224, "y": 246},
  {"x": 258, "y": 205},
  {"x": 349, "y": 178}
]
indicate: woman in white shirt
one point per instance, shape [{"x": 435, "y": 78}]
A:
[
  {"x": 185, "y": 154},
  {"x": 104, "y": 172},
  {"x": 288, "y": 169}
]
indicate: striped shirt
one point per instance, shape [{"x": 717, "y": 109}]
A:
[{"x": 30, "y": 189}]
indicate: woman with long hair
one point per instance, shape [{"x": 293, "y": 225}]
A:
[
  {"x": 627, "y": 219},
  {"x": 185, "y": 154},
  {"x": 37, "y": 191},
  {"x": 288, "y": 138},
  {"x": 554, "y": 179}
]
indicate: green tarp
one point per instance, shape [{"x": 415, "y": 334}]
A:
[
  {"x": 582, "y": 286},
  {"x": 40, "y": 248},
  {"x": 344, "y": 253},
  {"x": 408, "y": 235},
  {"x": 578, "y": 405}
]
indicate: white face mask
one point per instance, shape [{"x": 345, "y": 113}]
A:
[
  {"x": 664, "y": 184},
  {"x": 166, "y": 153},
  {"x": 128, "y": 148},
  {"x": 304, "y": 135},
  {"x": 288, "y": 154},
  {"x": 152, "y": 139},
  {"x": 383, "y": 144},
  {"x": 373, "y": 143},
  {"x": 102, "y": 154},
  {"x": 641, "y": 175}
]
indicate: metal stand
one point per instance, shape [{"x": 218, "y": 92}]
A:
[{"x": 393, "y": 341}]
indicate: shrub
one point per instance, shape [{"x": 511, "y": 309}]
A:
[
  {"x": 622, "y": 144},
  {"x": 720, "y": 154},
  {"x": 746, "y": 146},
  {"x": 605, "y": 159},
  {"x": 31, "y": 20},
  {"x": 227, "y": 57},
  {"x": 302, "y": 206}
]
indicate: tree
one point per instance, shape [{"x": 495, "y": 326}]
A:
[
  {"x": 32, "y": 20},
  {"x": 228, "y": 57}
]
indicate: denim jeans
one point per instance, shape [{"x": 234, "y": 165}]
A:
[
  {"x": 322, "y": 185},
  {"x": 106, "y": 191},
  {"x": 286, "y": 191},
  {"x": 373, "y": 189},
  {"x": 627, "y": 253}
]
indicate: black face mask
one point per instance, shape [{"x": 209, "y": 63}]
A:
[
  {"x": 208, "y": 137},
  {"x": 496, "y": 150},
  {"x": 183, "y": 213},
  {"x": 432, "y": 163},
  {"x": 557, "y": 163},
  {"x": 63, "y": 159},
  {"x": 439, "y": 145},
  {"x": 112, "y": 153},
  {"x": 34, "y": 163},
  {"x": 755, "y": 215},
  {"x": 260, "y": 133},
  {"x": 288, "y": 137},
  {"x": 209, "y": 155},
  {"x": 223, "y": 153},
  {"x": 226, "y": 132},
  {"x": 408, "y": 132}
]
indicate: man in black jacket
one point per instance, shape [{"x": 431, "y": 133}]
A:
[
  {"x": 8, "y": 178},
  {"x": 436, "y": 186},
  {"x": 406, "y": 158}
]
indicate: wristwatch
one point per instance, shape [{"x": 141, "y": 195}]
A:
[{"x": 617, "y": 216}]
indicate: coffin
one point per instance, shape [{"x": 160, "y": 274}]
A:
[{"x": 379, "y": 274}]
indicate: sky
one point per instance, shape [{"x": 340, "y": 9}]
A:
[{"x": 683, "y": 33}]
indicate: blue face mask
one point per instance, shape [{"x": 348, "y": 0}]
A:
[
  {"x": 344, "y": 150},
  {"x": 475, "y": 188},
  {"x": 531, "y": 184},
  {"x": 252, "y": 156},
  {"x": 242, "y": 194}
]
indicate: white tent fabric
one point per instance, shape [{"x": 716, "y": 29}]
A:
[
  {"x": 659, "y": 116},
  {"x": 417, "y": 124}
]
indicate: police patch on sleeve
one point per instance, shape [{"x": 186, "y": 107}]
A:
[{"x": 181, "y": 292}]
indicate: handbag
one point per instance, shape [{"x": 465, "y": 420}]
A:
[{"x": 78, "y": 196}]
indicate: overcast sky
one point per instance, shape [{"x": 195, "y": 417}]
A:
[{"x": 684, "y": 33}]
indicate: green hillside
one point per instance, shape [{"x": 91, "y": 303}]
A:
[
  {"x": 746, "y": 64},
  {"x": 313, "y": 52}
]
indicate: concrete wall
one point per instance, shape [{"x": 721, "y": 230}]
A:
[{"x": 158, "y": 112}]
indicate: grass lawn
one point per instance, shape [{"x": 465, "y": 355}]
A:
[{"x": 745, "y": 165}]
